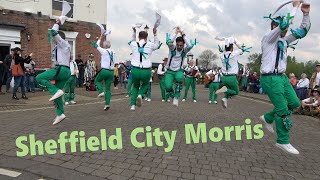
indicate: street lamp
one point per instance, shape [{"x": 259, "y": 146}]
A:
[{"x": 146, "y": 29}]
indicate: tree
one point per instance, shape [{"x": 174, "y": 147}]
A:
[
  {"x": 255, "y": 62},
  {"x": 206, "y": 58}
]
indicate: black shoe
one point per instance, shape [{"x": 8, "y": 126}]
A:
[
  {"x": 15, "y": 98},
  {"x": 24, "y": 97}
]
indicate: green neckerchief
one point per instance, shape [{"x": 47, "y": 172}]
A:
[
  {"x": 51, "y": 33},
  {"x": 94, "y": 44}
]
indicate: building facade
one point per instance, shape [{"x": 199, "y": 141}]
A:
[{"x": 25, "y": 24}]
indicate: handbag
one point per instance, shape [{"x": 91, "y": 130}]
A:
[{"x": 16, "y": 69}]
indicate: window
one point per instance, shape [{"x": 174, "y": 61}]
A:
[{"x": 57, "y": 8}]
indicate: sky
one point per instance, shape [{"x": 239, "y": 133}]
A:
[{"x": 204, "y": 20}]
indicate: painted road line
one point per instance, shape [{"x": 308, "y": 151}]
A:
[
  {"x": 9, "y": 173},
  {"x": 51, "y": 107}
]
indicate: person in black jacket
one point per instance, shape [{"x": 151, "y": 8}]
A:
[{"x": 20, "y": 80}]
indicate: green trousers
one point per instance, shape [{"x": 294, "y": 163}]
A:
[
  {"x": 60, "y": 80},
  {"x": 214, "y": 86},
  {"x": 163, "y": 88},
  {"x": 232, "y": 84},
  {"x": 284, "y": 100},
  {"x": 69, "y": 89},
  {"x": 170, "y": 78},
  {"x": 193, "y": 83},
  {"x": 130, "y": 83},
  {"x": 141, "y": 80},
  {"x": 149, "y": 91},
  {"x": 106, "y": 76}
]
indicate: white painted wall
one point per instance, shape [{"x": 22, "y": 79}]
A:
[{"x": 84, "y": 10}]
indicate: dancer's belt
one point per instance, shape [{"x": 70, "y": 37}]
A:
[
  {"x": 140, "y": 67},
  {"x": 272, "y": 74},
  {"x": 59, "y": 69},
  {"x": 229, "y": 74}
]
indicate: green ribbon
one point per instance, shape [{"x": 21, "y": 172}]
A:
[
  {"x": 141, "y": 51},
  {"x": 169, "y": 41},
  {"x": 292, "y": 46},
  {"x": 94, "y": 44},
  {"x": 51, "y": 33},
  {"x": 284, "y": 22},
  {"x": 245, "y": 49},
  {"x": 281, "y": 47},
  {"x": 226, "y": 60}
]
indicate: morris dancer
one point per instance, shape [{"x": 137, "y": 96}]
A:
[
  {"x": 177, "y": 53},
  {"x": 214, "y": 76},
  {"x": 161, "y": 75},
  {"x": 70, "y": 86},
  {"x": 106, "y": 72},
  {"x": 230, "y": 68},
  {"x": 273, "y": 78},
  {"x": 192, "y": 72},
  {"x": 60, "y": 73},
  {"x": 141, "y": 64}
]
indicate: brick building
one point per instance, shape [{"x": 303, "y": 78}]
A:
[{"x": 25, "y": 25}]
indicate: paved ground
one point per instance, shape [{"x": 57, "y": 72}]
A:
[{"x": 245, "y": 159}]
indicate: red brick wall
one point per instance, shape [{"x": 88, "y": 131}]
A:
[{"x": 38, "y": 27}]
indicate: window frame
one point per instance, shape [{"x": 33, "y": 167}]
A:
[{"x": 55, "y": 16}]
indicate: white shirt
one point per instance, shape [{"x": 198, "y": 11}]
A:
[
  {"x": 233, "y": 62},
  {"x": 317, "y": 80},
  {"x": 106, "y": 62},
  {"x": 74, "y": 68},
  {"x": 62, "y": 51},
  {"x": 176, "y": 61},
  {"x": 269, "y": 45},
  {"x": 188, "y": 68},
  {"x": 217, "y": 75},
  {"x": 148, "y": 49},
  {"x": 312, "y": 99},
  {"x": 303, "y": 83},
  {"x": 159, "y": 71}
]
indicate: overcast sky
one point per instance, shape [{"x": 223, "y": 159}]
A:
[{"x": 205, "y": 19}]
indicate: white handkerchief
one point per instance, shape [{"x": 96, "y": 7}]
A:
[
  {"x": 66, "y": 8},
  {"x": 108, "y": 32},
  {"x": 137, "y": 25},
  {"x": 63, "y": 19},
  {"x": 220, "y": 38},
  {"x": 158, "y": 20},
  {"x": 101, "y": 28}
]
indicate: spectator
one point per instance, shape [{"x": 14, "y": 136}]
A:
[
  {"x": 310, "y": 106},
  {"x": 122, "y": 71},
  {"x": 302, "y": 87},
  {"x": 293, "y": 80},
  {"x": 253, "y": 83},
  {"x": 30, "y": 74},
  {"x": 20, "y": 79},
  {"x": 8, "y": 65},
  {"x": 90, "y": 70},
  {"x": 245, "y": 75},
  {"x": 116, "y": 76},
  {"x": 80, "y": 64},
  {"x": 2, "y": 73},
  {"x": 315, "y": 78}
]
